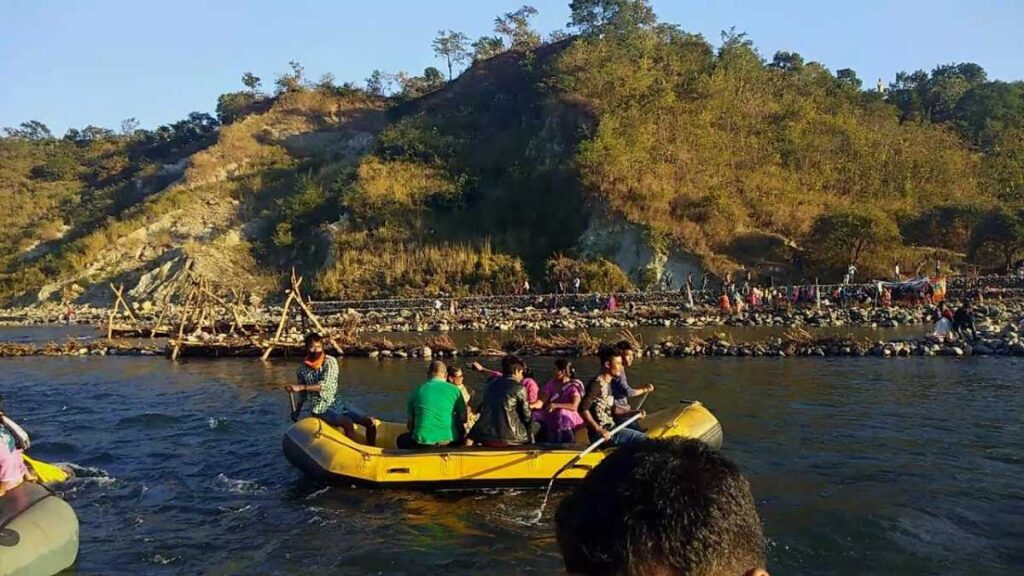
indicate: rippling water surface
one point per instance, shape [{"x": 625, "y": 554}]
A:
[{"x": 859, "y": 466}]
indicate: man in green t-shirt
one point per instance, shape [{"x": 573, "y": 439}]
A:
[{"x": 437, "y": 412}]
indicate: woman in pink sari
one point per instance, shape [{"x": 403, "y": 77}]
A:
[{"x": 562, "y": 396}]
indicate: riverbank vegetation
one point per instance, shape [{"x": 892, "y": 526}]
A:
[{"x": 472, "y": 179}]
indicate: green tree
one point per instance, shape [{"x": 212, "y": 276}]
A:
[
  {"x": 847, "y": 236},
  {"x": 129, "y": 126},
  {"x": 516, "y": 27},
  {"x": 33, "y": 130},
  {"x": 987, "y": 110},
  {"x": 787, "y": 61},
  {"x": 487, "y": 46},
  {"x": 233, "y": 106},
  {"x": 375, "y": 83},
  {"x": 947, "y": 85},
  {"x": 908, "y": 93},
  {"x": 326, "y": 83},
  {"x": 999, "y": 232},
  {"x": 594, "y": 16},
  {"x": 848, "y": 77},
  {"x": 947, "y": 225},
  {"x": 252, "y": 82},
  {"x": 93, "y": 133},
  {"x": 1002, "y": 168},
  {"x": 291, "y": 81},
  {"x": 451, "y": 46}
]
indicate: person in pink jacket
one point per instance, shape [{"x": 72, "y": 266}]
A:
[{"x": 12, "y": 441}]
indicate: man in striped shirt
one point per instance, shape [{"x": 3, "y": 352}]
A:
[{"x": 318, "y": 379}]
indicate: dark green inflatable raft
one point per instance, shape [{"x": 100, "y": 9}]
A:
[{"x": 38, "y": 532}]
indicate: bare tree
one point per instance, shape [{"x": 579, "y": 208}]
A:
[{"x": 453, "y": 47}]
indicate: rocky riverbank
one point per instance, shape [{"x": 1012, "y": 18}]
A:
[
  {"x": 992, "y": 340},
  {"x": 653, "y": 312}
]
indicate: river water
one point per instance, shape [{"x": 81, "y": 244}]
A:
[{"x": 859, "y": 466}]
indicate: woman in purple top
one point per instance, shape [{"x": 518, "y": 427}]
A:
[{"x": 562, "y": 396}]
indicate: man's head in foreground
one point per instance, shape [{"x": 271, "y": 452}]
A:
[{"x": 662, "y": 508}]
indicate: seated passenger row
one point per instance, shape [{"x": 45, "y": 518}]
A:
[{"x": 515, "y": 410}]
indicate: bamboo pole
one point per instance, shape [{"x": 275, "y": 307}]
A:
[
  {"x": 120, "y": 296},
  {"x": 317, "y": 325},
  {"x": 227, "y": 307},
  {"x": 280, "y": 325},
  {"x": 181, "y": 326},
  {"x": 163, "y": 312},
  {"x": 110, "y": 320}
]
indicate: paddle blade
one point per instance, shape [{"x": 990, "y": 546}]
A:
[{"x": 47, "y": 473}]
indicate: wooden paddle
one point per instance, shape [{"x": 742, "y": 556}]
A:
[
  {"x": 639, "y": 414},
  {"x": 575, "y": 459},
  {"x": 296, "y": 405}
]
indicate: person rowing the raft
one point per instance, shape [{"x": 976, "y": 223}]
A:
[{"x": 318, "y": 377}]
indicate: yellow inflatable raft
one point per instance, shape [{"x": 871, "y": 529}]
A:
[{"x": 324, "y": 452}]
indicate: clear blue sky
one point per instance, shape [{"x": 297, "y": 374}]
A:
[{"x": 77, "y": 62}]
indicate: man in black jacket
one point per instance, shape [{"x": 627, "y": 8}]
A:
[{"x": 505, "y": 413}]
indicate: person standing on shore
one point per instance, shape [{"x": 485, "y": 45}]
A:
[
  {"x": 896, "y": 272},
  {"x": 318, "y": 378},
  {"x": 576, "y": 285},
  {"x": 963, "y": 321},
  {"x": 689, "y": 289}
]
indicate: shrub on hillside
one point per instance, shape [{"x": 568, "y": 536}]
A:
[
  {"x": 595, "y": 275},
  {"x": 394, "y": 192},
  {"x": 368, "y": 265},
  {"x": 56, "y": 168},
  {"x": 234, "y": 106}
]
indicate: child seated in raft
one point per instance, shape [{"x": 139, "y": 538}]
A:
[{"x": 562, "y": 396}]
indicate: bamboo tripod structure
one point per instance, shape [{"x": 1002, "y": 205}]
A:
[
  {"x": 118, "y": 302},
  {"x": 201, "y": 304},
  {"x": 295, "y": 296}
]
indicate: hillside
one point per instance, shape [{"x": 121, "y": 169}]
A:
[{"x": 632, "y": 150}]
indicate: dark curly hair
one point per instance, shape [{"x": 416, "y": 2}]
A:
[{"x": 661, "y": 507}]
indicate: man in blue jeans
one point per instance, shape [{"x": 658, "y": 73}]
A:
[{"x": 598, "y": 405}]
